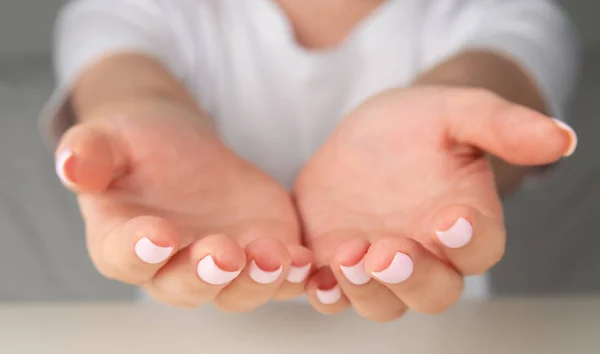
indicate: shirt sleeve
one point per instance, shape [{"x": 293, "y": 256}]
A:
[
  {"x": 536, "y": 34},
  {"x": 87, "y": 31}
]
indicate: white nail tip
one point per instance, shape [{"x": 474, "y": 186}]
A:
[
  {"x": 562, "y": 125},
  {"x": 297, "y": 275},
  {"x": 151, "y": 253},
  {"x": 399, "y": 270},
  {"x": 210, "y": 273},
  {"x": 61, "y": 160},
  {"x": 261, "y": 276},
  {"x": 329, "y": 297},
  {"x": 356, "y": 274},
  {"x": 458, "y": 235}
]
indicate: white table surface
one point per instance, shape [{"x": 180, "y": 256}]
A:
[{"x": 508, "y": 326}]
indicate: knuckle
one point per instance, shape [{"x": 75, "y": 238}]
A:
[
  {"x": 286, "y": 293},
  {"x": 496, "y": 256},
  {"x": 488, "y": 253},
  {"x": 442, "y": 304},
  {"x": 185, "y": 304},
  {"x": 384, "y": 316},
  {"x": 138, "y": 274},
  {"x": 445, "y": 295},
  {"x": 474, "y": 100},
  {"x": 490, "y": 258},
  {"x": 192, "y": 284},
  {"x": 465, "y": 97},
  {"x": 437, "y": 308},
  {"x": 130, "y": 274},
  {"x": 482, "y": 267},
  {"x": 107, "y": 273},
  {"x": 476, "y": 94},
  {"x": 478, "y": 268},
  {"x": 172, "y": 299},
  {"x": 105, "y": 269},
  {"x": 505, "y": 118},
  {"x": 363, "y": 295},
  {"x": 179, "y": 302},
  {"x": 235, "y": 306}
]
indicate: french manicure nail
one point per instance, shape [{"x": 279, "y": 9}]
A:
[
  {"x": 399, "y": 270},
  {"x": 61, "y": 161},
  {"x": 458, "y": 235},
  {"x": 297, "y": 275},
  {"x": 210, "y": 272},
  {"x": 356, "y": 274},
  {"x": 262, "y": 276},
  {"x": 151, "y": 253},
  {"x": 573, "y": 145},
  {"x": 329, "y": 297}
]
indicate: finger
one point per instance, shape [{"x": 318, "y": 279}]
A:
[
  {"x": 514, "y": 133},
  {"x": 297, "y": 276},
  {"x": 133, "y": 250},
  {"x": 412, "y": 273},
  {"x": 370, "y": 299},
  {"x": 470, "y": 240},
  {"x": 88, "y": 159},
  {"x": 324, "y": 292},
  {"x": 269, "y": 260},
  {"x": 196, "y": 275}
]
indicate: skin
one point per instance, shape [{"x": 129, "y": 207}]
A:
[
  {"x": 146, "y": 162},
  {"x": 404, "y": 165},
  {"x": 410, "y": 162}
]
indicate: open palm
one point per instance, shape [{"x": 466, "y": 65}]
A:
[
  {"x": 400, "y": 203},
  {"x": 169, "y": 207}
]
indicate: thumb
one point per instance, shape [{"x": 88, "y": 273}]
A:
[
  {"x": 89, "y": 159},
  {"x": 516, "y": 134}
]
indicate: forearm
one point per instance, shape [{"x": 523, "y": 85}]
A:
[
  {"x": 129, "y": 79},
  {"x": 500, "y": 75}
]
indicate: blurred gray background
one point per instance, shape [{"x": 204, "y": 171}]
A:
[{"x": 553, "y": 230}]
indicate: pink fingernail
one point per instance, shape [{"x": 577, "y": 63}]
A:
[
  {"x": 61, "y": 161},
  {"x": 458, "y": 235},
  {"x": 331, "y": 296},
  {"x": 151, "y": 253},
  {"x": 210, "y": 272},
  {"x": 297, "y": 275},
  {"x": 356, "y": 274},
  {"x": 262, "y": 276},
  {"x": 399, "y": 270},
  {"x": 573, "y": 145}
]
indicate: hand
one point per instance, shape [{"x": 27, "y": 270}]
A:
[
  {"x": 400, "y": 203},
  {"x": 168, "y": 207}
]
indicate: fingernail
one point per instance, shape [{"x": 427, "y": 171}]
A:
[
  {"x": 210, "y": 272},
  {"x": 458, "y": 235},
  {"x": 61, "y": 162},
  {"x": 573, "y": 145},
  {"x": 297, "y": 275},
  {"x": 356, "y": 274},
  {"x": 151, "y": 253},
  {"x": 262, "y": 276},
  {"x": 331, "y": 296},
  {"x": 399, "y": 270}
]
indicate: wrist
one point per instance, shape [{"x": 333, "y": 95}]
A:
[
  {"x": 150, "y": 106},
  {"x": 489, "y": 71},
  {"x": 126, "y": 83}
]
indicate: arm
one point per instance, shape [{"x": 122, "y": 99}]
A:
[
  {"x": 105, "y": 59},
  {"x": 506, "y": 51},
  {"x": 125, "y": 79}
]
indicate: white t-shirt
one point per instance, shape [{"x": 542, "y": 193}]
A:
[{"x": 275, "y": 102}]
